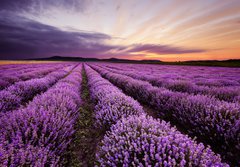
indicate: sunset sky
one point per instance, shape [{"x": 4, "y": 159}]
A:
[{"x": 167, "y": 30}]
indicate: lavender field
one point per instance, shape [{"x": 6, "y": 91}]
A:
[{"x": 109, "y": 114}]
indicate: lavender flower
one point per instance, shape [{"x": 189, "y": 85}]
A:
[
  {"x": 39, "y": 134},
  {"x": 213, "y": 121},
  {"x": 143, "y": 141},
  {"x": 23, "y": 91},
  {"x": 111, "y": 103}
]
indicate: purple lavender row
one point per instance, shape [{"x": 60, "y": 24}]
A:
[
  {"x": 136, "y": 139},
  {"x": 214, "y": 122},
  {"x": 14, "y": 66},
  {"x": 111, "y": 103},
  {"x": 26, "y": 69},
  {"x": 22, "y": 67},
  {"x": 230, "y": 93},
  {"x": 29, "y": 67},
  {"x": 7, "y": 79},
  {"x": 144, "y": 141},
  {"x": 39, "y": 134},
  {"x": 7, "y": 66},
  {"x": 11, "y": 76},
  {"x": 21, "y": 92},
  {"x": 205, "y": 76}
]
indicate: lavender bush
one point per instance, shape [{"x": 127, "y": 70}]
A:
[
  {"x": 143, "y": 141},
  {"x": 214, "y": 122},
  {"x": 111, "y": 103},
  {"x": 23, "y": 91},
  {"x": 40, "y": 105},
  {"x": 26, "y": 72},
  {"x": 226, "y": 90},
  {"x": 39, "y": 134}
]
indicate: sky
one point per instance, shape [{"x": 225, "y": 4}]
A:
[{"x": 167, "y": 30}]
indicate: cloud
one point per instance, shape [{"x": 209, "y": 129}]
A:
[
  {"x": 23, "y": 38},
  {"x": 162, "y": 49},
  {"x": 38, "y": 6}
]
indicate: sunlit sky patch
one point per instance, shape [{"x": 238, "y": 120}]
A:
[{"x": 168, "y": 30}]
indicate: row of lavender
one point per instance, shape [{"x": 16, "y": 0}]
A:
[
  {"x": 134, "y": 139},
  {"x": 25, "y": 72},
  {"x": 205, "y": 76},
  {"x": 214, "y": 122},
  {"x": 14, "y": 67},
  {"x": 23, "y": 66},
  {"x": 39, "y": 134},
  {"x": 230, "y": 92},
  {"x": 20, "y": 66},
  {"x": 21, "y": 92}
]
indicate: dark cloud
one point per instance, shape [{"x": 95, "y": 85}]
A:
[
  {"x": 118, "y": 7},
  {"x": 38, "y": 6},
  {"x": 162, "y": 49},
  {"x": 23, "y": 38}
]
